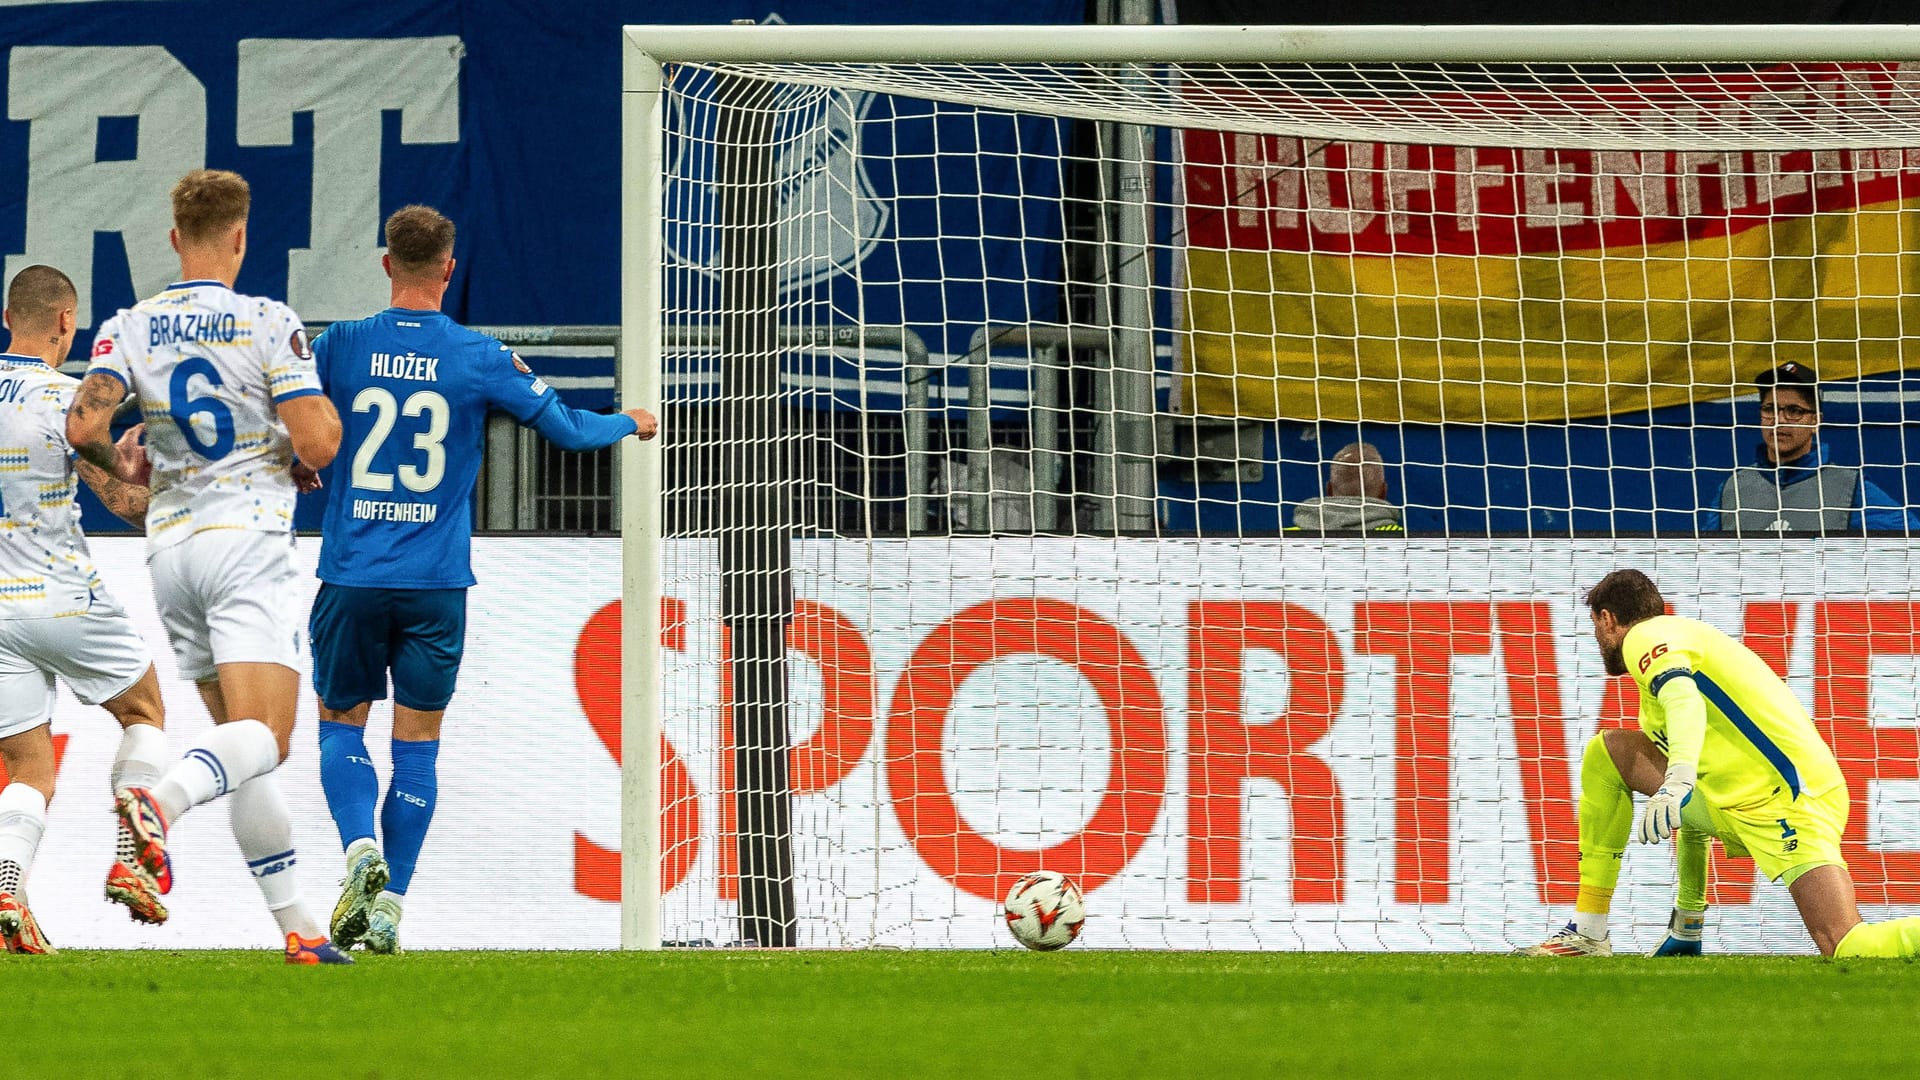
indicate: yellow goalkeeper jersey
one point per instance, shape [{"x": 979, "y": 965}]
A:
[{"x": 1760, "y": 745}]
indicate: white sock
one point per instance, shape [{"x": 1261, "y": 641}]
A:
[
  {"x": 392, "y": 902},
  {"x": 23, "y": 820},
  {"x": 358, "y": 848},
  {"x": 141, "y": 759},
  {"x": 139, "y": 762},
  {"x": 265, "y": 832},
  {"x": 224, "y": 761},
  {"x": 1591, "y": 924}
]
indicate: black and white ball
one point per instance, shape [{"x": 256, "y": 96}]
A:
[{"x": 1045, "y": 911}]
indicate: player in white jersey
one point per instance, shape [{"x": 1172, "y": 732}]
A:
[
  {"x": 55, "y": 617},
  {"x": 232, "y": 407}
]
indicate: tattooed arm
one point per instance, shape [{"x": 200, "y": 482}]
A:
[
  {"x": 127, "y": 501},
  {"x": 90, "y": 422}
]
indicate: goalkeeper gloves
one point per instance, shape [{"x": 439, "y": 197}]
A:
[
  {"x": 1661, "y": 818},
  {"x": 1684, "y": 930}
]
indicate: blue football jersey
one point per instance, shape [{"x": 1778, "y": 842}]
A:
[{"x": 413, "y": 389}]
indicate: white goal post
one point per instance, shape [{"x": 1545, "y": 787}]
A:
[{"x": 1732, "y": 106}]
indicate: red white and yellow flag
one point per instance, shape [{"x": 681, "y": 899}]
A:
[{"x": 1383, "y": 282}]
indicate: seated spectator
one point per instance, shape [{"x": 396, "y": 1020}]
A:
[
  {"x": 1356, "y": 498},
  {"x": 1791, "y": 485}
]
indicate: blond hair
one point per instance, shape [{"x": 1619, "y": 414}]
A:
[{"x": 207, "y": 202}]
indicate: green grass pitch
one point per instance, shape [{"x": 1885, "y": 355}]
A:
[{"x": 906, "y": 1014}]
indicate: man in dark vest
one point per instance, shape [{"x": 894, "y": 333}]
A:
[{"x": 1792, "y": 486}]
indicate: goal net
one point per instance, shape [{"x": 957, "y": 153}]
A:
[{"x": 1183, "y": 473}]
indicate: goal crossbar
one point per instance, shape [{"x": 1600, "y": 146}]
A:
[{"x": 1270, "y": 44}]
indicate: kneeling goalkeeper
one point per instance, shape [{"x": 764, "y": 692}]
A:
[{"x": 1724, "y": 749}]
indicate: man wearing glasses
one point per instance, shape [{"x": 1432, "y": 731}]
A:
[{"x": 1791, "y": 486}]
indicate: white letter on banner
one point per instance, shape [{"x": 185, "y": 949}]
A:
[
  {"x": 63, "y": 92},
  {"x": 1539, "y": 185},
  {"x": 346, "y": 84},
  {"x": 1473, "y": 176}
]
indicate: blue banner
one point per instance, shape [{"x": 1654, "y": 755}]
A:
[{"x": 504, "y": 115}]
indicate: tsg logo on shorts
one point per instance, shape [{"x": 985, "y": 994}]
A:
[{"x": 826, "y": 213}]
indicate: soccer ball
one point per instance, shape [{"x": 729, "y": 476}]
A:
[{"x": 1044, "y": 911}]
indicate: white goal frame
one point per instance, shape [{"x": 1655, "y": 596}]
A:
[{"x": 648, "y": 49}]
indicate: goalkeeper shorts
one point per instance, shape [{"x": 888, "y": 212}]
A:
[{"x": 1786, "y": 838}]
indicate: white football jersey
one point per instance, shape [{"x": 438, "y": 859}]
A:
[
  {"x": 209, "y": 366},
  {"x": 45, "y": 568}
]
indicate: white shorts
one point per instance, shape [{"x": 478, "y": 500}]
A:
[
  {"x": 98, "y": 655},
  {"x": 229, "y": 596}
]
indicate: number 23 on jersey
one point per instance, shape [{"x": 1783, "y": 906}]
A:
[{"x": 420, "y": 477}]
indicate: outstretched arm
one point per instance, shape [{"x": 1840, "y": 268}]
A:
[
  {"x": 577, "y": 429},
  {"x": 90, "y": 421}
]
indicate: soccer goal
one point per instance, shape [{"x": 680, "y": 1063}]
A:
[{"x": 1174, "y": 456}]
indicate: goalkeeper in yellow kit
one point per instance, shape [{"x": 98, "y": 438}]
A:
[{"x": 1724, "y": 749}]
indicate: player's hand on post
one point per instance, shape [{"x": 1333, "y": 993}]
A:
[
  {"x": 305, "y": 477},
  {"x": 646, "y": 426},
  {"x": 130, "y": 457},
  {"x": 1661, "y": 818}
]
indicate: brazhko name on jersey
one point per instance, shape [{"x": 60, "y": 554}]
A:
[
  {"x": 193, "y": 326},
  {"x": 382, "y": 510},
  {"x": 419, "y": 368}
]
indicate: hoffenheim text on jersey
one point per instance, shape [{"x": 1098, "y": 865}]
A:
[{"x": 413, "y": 389}]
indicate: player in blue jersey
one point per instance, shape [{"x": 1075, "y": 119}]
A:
[{"x": 413, "y": 389}]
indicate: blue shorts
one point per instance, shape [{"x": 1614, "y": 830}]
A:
[{"x": 359, "y": 634}]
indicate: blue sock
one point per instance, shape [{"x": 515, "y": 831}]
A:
[
  {"x": 347, "y": 777},
  {"x": 408, "y": 808}
]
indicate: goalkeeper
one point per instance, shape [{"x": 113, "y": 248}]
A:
[{"x": 1724, "y": 749}]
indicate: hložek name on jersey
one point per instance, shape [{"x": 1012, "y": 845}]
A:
[
  {"x": 414, "y": 389},
  {"x": 418, "y": 368}
]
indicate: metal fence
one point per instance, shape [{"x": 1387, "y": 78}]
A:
[{"x": 930, "y": 468}]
